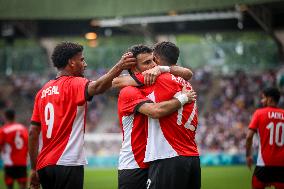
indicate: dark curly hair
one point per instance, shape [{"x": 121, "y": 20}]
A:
[
  {"x": 272, "y": 92},
  {"x": 63, "y": 52},
  {"x": 167, "y": 51},
  {"x": 139, "y": 49}
]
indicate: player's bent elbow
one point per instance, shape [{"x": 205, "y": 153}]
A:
[{"x": 188, "y": 75}]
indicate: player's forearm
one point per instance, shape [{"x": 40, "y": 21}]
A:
[
  {"x": 185, "y": 73},
  {"x": 104, "y": 82},
  {"x": 248, "y": 147},
  {"x": 249, "y": 140},
  {"x": 123, "y": 81},
  {"x": 158, "y": 110},
  {"x": 33, "y": 145},
  {"x": 167, "y": 107}
]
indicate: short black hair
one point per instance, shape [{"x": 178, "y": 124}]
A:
[
  {"x": 167, "y": 51},
  {"x": 273, "y": 93},
  {"x": 139, "y": 49},
  {"x": 63, "y": 52},
  {"x": 9, "y": 114}
]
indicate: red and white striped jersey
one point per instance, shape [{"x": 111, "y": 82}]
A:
[
  {"x": 60, "y": 109},
  {"x": 133, "y": 125},
  {"x": 14, "y": 144},
  {"x": 172, "y": 135},
  {"x": 268, "y": 122}
]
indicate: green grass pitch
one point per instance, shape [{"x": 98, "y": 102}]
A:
[{"x": 224, "y": 177}]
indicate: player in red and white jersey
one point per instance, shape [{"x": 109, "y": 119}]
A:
[
  {"x": 177, "y": 131},
  {"x": 268, "y": 124},
  {"x": 133, "y": 109},
  {"x": 59, "y": 115},
  {"x": 14, "y": 150},
  {"x": 172, "y": 138}
]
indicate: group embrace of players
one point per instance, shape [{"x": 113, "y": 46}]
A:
[{"x": 158, "y": 115}]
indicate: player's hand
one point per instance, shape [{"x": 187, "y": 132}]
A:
[
  {"x": 191, "y": 94},
  {"x": 35, "y": 184},
  {"x": 249, "y": 161},
  {"x": 127, "y": 61},
  {"x": 151, "y": 75}
]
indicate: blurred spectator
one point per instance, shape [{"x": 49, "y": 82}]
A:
[{"x": 226, "y": 103}]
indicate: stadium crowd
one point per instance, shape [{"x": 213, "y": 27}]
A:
[{"x": 226, "y": 103}]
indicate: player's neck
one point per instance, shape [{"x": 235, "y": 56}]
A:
[
  {"x": 10, "y": 122},
  {"x": 272, "y": 105},
  {"x": 63, "y": 73}
]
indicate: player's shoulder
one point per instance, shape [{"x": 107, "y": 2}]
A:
[
  {"x": 167, "y": 76},
  {"x": 265, "y": 110},
  {"x": 261, "y": 110},
  {"x": 172, "y": 80},
  {"x": 71, "y": 80},
  {"x": 13, "y": 127},
  {"x": 128, "y": 90}
]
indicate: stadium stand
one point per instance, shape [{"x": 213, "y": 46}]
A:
[{"x": 225, "y": 105}]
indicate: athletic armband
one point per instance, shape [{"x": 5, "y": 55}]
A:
[{"x": 182, "y": 98}]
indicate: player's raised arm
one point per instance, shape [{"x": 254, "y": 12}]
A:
[
  {"x": 161, "y": 109},
  {"x": 123, "y": 81},
  {"x": 151, "y": 75},
  {"x": 183, "y": 72},
  {"x": 105, "y": 82}
]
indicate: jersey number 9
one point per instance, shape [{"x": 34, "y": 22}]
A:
[{"x": 49, "y": 118}]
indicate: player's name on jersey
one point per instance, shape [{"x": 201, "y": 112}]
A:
[
  {"x": 181, "y": 81},
  {"x": 276, "y": 115},
  {"x": 52, "y": 90}
]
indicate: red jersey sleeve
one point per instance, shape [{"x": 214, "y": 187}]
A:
[
  {"x": 254, "y": 121},
  {"x": 2, "y": 140},
  {"x": 130, "y": 99},
  {"x": 80, "y": 89},
  {"x": 35, "y": 120}
]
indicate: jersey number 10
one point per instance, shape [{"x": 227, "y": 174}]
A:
[{"x": 279, "y": 139}]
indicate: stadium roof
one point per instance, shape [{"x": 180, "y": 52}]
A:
[
  {"x": 44, "y": 18},
  {"x": 49, "y": 18},
  {"x": 89, "y": 9}
]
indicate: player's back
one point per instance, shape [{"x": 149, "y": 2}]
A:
[
  {"x": 14, "y": 137},
  {"x": 270, "y": 127},
  {"x": 172, "y": 135},
  {"x": 60, "y": 109}
]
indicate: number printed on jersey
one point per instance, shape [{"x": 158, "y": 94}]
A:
[
  {"x": 49, "y": 118},
  {"x": 276, "y": 133},
  {"x": 19, "y": 142}
]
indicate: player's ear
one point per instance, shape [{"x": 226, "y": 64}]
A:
[
  {"x": 156, "y": 60},
  {"x": 71, "y": 62}
]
